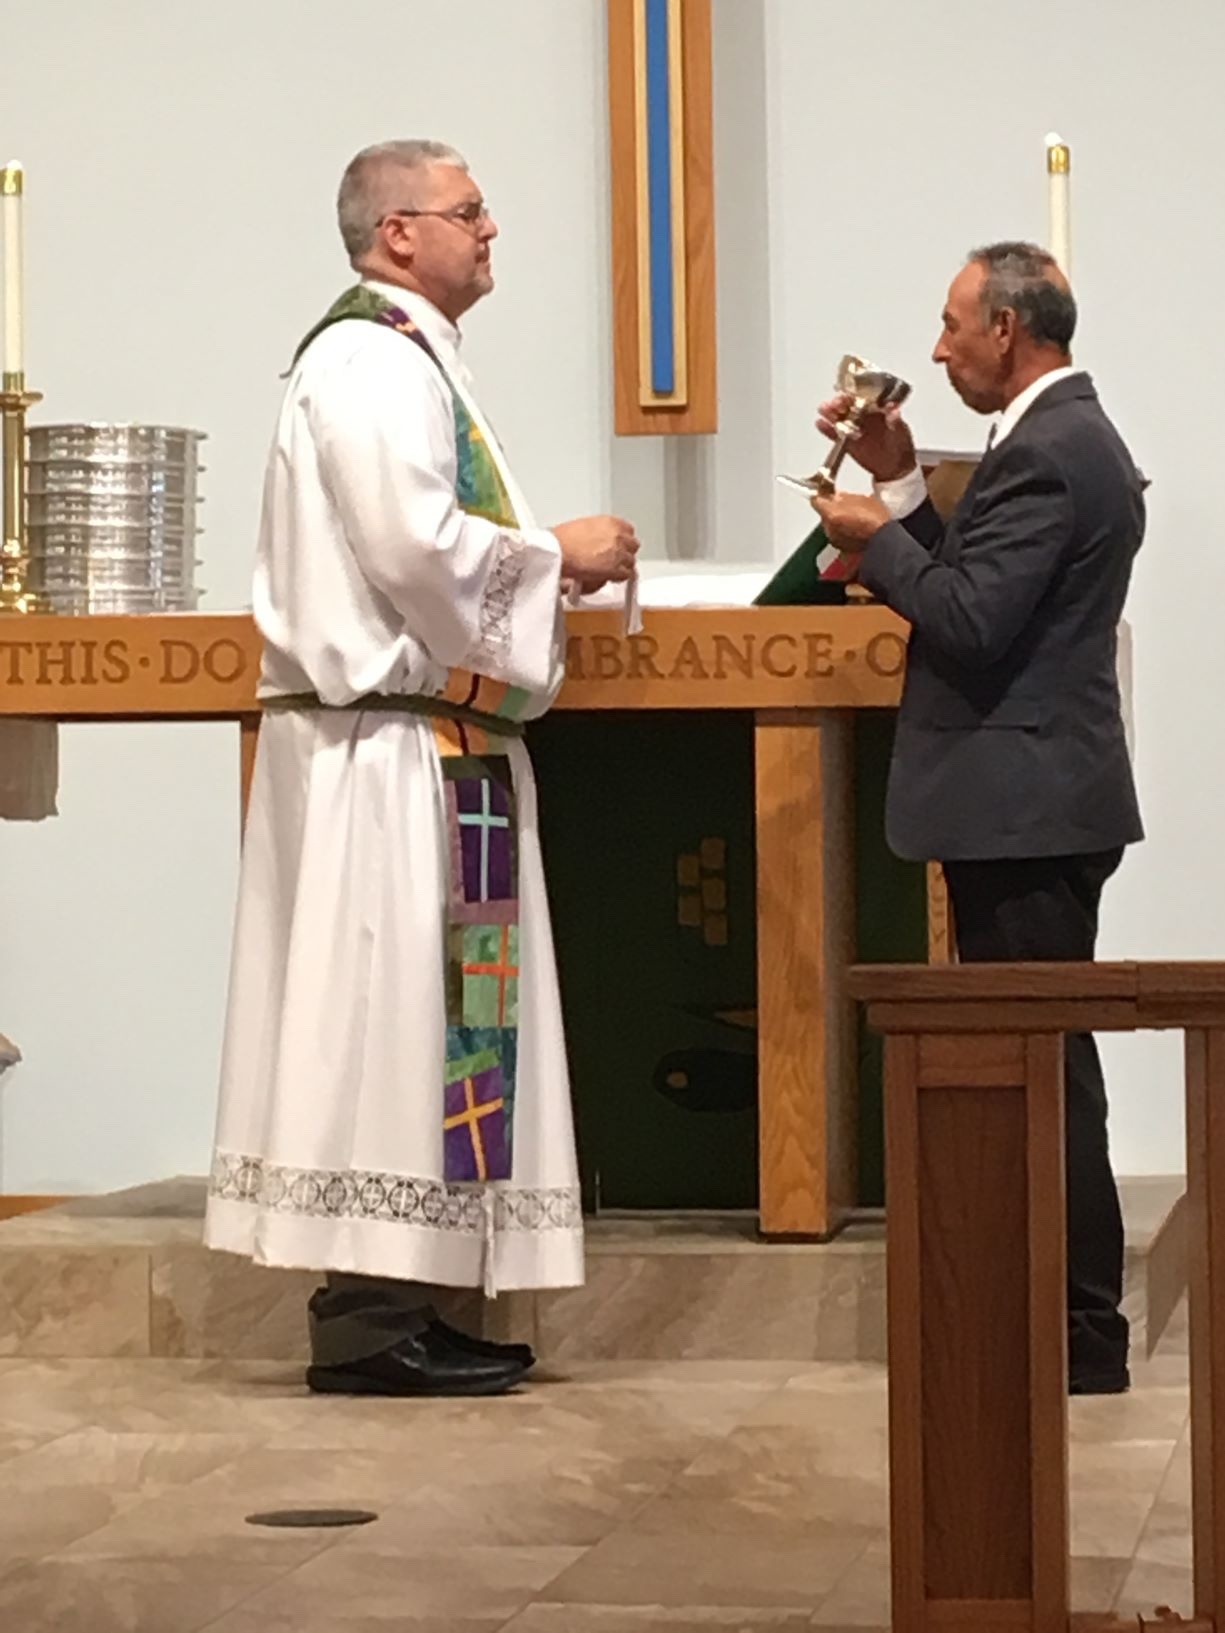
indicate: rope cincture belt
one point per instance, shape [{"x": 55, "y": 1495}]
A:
[{"x": 428, "y": 708}]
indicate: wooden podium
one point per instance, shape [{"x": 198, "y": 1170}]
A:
[
  {"x": 800, "y": 672},
  {"x": 977, "y": 1275}
]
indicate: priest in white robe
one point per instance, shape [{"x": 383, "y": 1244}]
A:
[{"x": 395, "y": 1107}]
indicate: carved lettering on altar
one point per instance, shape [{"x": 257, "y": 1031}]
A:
[
  {"x": 66, "y": 664},
  {"x": 737, "y": 655},
  {"x": 886, "y": 654},
  {"x": 738, "y": 658},
  {"x": 643, "y": 650},
  {"x": 820, "y": 645},
  {"x": 689, "y": 664},
  {"x": 139, "y": 671},
  {"x": 184, "y": 661},
  {"x": 702, "y": 658}
]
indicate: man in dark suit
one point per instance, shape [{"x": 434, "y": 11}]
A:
[{"x": 1010, "y": 765}]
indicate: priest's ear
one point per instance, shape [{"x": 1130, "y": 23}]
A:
[{"x": 398, "y": 232}]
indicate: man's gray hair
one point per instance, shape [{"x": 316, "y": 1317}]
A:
[
  {"x": 1019, "y": 279},
  {"x": 381, "y": 179}
]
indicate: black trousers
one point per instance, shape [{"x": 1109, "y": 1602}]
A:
[
  {"x": 1046, "y": 908},
  {"x": 354, "y": 1317}
]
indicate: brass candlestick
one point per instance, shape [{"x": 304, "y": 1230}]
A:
[{"x": 15, "y": 402}]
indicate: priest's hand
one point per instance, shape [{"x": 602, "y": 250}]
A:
[
  {"x": 884, "y": 446},
  {"x": 851, "y": 519},
  {"x": 597, "y": 550}
]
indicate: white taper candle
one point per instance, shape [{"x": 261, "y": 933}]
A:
[
  {"x": 1059, "y": 186},
  {"x": 12, "y": 183}
]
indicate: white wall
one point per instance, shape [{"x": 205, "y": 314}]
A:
[
  {"x": 182, "y": 162},
  {"x": 904, "y": 134}
]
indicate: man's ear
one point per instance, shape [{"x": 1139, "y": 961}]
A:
[{"x": 1005, "y": 325}]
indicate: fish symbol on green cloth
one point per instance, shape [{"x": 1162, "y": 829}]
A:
[{"x": 702, "y": 1079}]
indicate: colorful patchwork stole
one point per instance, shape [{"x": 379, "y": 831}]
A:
[
  {"x": 482, "y": 951},
  {"x": 479, "y": 487}
]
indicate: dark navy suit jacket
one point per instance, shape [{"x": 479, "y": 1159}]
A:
[{"x": 1010, "y": 734}]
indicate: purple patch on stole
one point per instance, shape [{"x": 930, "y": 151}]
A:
[
  {"x": 484, "y": 817},
  {"x": 475, "y": 1119}
]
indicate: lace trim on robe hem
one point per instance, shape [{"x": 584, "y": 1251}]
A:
[
  {"x": 498, "y": 600},
  {"x": 323, "y": 1193}
]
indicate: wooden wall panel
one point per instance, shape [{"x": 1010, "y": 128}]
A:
[{"x": 700, "y": 415}]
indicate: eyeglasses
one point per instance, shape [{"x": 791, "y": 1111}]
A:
[{"x": 471, "y": 215}]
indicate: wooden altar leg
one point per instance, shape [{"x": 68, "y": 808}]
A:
[
  {"x": 1206, "y": 1302},
  {"x": 941, "y": 943},
  {"x": 248, "y": 727},
  {"x": 977, "y": 1333},
  {"x": 808, "y": 1092}
]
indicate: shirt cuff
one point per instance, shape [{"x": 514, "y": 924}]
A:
[{"x": 903, "y": 495}]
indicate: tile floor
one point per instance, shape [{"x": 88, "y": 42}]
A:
[{"x": 620, "y": 1497}]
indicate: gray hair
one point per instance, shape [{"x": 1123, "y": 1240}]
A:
[
  {"x": 1019, "y": 279},
  {"x": 381, "y": 179}
]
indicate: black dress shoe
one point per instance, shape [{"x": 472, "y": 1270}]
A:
[
  {"x": 423, "y": 1365},
  {"x": 1114, "y": 1381},
  {"x": 521, "y": 1354}
]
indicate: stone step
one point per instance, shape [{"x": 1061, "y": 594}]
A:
[{"x": 127, "y": 1275}]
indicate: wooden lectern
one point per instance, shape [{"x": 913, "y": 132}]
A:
[{"x": 977, "y": 1278}]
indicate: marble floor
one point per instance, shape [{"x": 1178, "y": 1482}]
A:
[{"x": 618, "y": 1497}]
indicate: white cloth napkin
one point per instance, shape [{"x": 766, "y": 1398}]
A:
[
  {"x": 29, "y": 769},
  {"x": 608, "y": 597},
  {"x": 633, "y": 612}
]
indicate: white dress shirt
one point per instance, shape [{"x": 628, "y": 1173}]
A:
[{"x": 907, "y": 493}]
